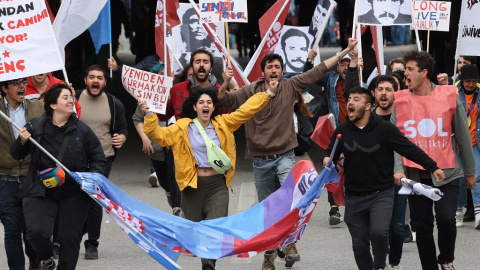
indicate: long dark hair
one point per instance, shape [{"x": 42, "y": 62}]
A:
[{"x": 187, "y": 108}]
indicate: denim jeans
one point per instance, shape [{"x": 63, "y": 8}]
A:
[
  {"x": 462, "y": 196},
  {"x": 368, "y": 220},
  {"x": 266, "y": 171},
  {"x": 422, "y": 213},
  {"x": 11, "y": 216},
  {"x": 397, "y": 227}
]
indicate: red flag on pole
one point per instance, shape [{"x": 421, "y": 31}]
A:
[
  {"x": 172, "y": 20},
  {"x": 50, "y": 13},
  {"x": 377, "y": 35},
  {"x": 323, "y": 131},
  {"x": 271, "y": 24}
]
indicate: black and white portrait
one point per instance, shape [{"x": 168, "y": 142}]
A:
[
  {"x": 384, "y": 12},
  {"x": 190, "y": 36},
  {"x": 293, "y": 47},
  {"x": 319, "y": 16}
]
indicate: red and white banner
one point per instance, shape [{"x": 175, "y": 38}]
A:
[
  {"x": 149, "y": 87},
  {"x": 172, "y": 20},
  {"x": 271, "y": 24},
  {"x": 27, "y": 42},
  {"x": 212, "y": 11},
  {"x": 468, "y": 40}
]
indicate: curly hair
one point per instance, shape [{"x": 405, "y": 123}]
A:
[
  {"x": 187, "y": 108},
  {"x": 424, "y": 61}
]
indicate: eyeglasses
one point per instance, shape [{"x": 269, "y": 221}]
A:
[
  {"x": 342, "y": 65},
  {"x": 17, "y": 82},
  {"x": 65, "y": 97}
]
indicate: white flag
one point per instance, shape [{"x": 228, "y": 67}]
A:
[
  {"x": 468, "y": 40},
  {"x": 73, "y": 18}
]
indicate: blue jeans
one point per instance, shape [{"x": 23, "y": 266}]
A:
[
  {"x": 265, "y": 171},
  {"x": 397, "y": 227},
  {"x": 398, "y": 34},
  {"x": 11, "y": 215},
  {"x": 462, "y": 196}
]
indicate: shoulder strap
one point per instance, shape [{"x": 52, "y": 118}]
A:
[
  {"x": 202, "y": 131},
  {"x": 65, "y": 141}
]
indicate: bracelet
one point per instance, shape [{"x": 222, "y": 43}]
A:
[
  {"x": 339, "y": 57},
  {"x": 270, "y": 94}
]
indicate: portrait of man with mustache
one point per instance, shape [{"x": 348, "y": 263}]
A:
[
  {"x": 384, "y": 12},
  {"x": 295, "y": 45}
]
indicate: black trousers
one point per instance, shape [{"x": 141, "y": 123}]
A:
[
  {"x": 421, "y": 212},
  {"x": 368, "y": 220},
  {"x": 166, "y": 177},
  {"x": 93, "y": 223},
  {"x": 40, "y": 215}
]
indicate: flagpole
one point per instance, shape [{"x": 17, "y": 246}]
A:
[
  {"x": 110, "y": 32},
  {"x": 65, "y": 75},
  {"x": 165, "y": 48},
  {"x": 35, "y": 142},
  {"x": 428, "y": 40},
  {"x": 252, "y": 61},
  {"x": 174, "y": 57},
  {"x": 414, "y": 22},
  {"x": 228, "y": 43}
]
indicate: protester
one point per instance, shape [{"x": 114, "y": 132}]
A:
[
  {"x": 105, "y": 115},
  {"x": 468, "y": 89},
  {"x": 204, "y": 189},
  {"x": 270, "y": 133},
  {"x": 13, "y": 172},
  {"x": 49, "y": 195},
  {"x": 396, "y": 64},
  {"x": 451, "y": 139},
  {"x": 368, "y": 166},
  {"x": 162, "y": 160},
  {"x": 443, "y": 78},
  {"x": 38, "y": 84}
]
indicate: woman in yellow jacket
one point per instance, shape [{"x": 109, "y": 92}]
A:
[{"x": 204, "y": 191}]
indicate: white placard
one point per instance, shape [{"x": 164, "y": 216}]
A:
[
  {"x": 432, "y": 15},
  {"x": 27, "y": 42},
  {"x": 212, "y": 11},
  {"x": 149, "y": 87}
]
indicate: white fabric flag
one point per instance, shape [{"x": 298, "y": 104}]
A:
[
  {"x": 73, "y": 18},
  {"x": 410, "y": 187},
  {"x": 468, "y": 40}
]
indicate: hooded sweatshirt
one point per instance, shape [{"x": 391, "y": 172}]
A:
[{"x": 369, "y": 158}]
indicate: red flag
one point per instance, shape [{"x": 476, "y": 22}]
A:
[
  {"x": 377, "y": 36},
  {"x": 271, "y": 24},
  {"x": 172, "y": 20},
  {"x": 50, "y": 13},
  {"x": 324, "y": 130}
]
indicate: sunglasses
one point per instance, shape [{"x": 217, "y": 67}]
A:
[{"x": 17, "y": 82}]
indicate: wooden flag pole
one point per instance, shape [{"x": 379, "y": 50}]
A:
[{"x": 228, "y": 43}]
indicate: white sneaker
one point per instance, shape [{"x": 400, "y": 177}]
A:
[
  {"x": 477, "y": 222},
  {"x": 153, "y": 180},
  {"x": 396, "y": 267},
  {"x": 414, "y": 236},
  {"x": 459, "y": 220}
]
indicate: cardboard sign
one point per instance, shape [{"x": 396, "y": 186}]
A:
[
  {"x": 432, "y": 15},
  {"x": 27, "y": 42},
  {"x": 149, "y": 87},
  {"x": 293, "y": 46},
  {"x": 223, "y": 11}
]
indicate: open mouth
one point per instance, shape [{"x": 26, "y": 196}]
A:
[
  {"x": 351, "y": 111},
  {"x": 95, "y": 86},
  {"x": 274, "y": 77},
  {"x": 21, "y": 93},
  {"x": 205, "y": 112},
  {"x": 408, "y": 81}
]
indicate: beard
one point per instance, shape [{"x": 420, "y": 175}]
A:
[{"x": 360, "y": 112}]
